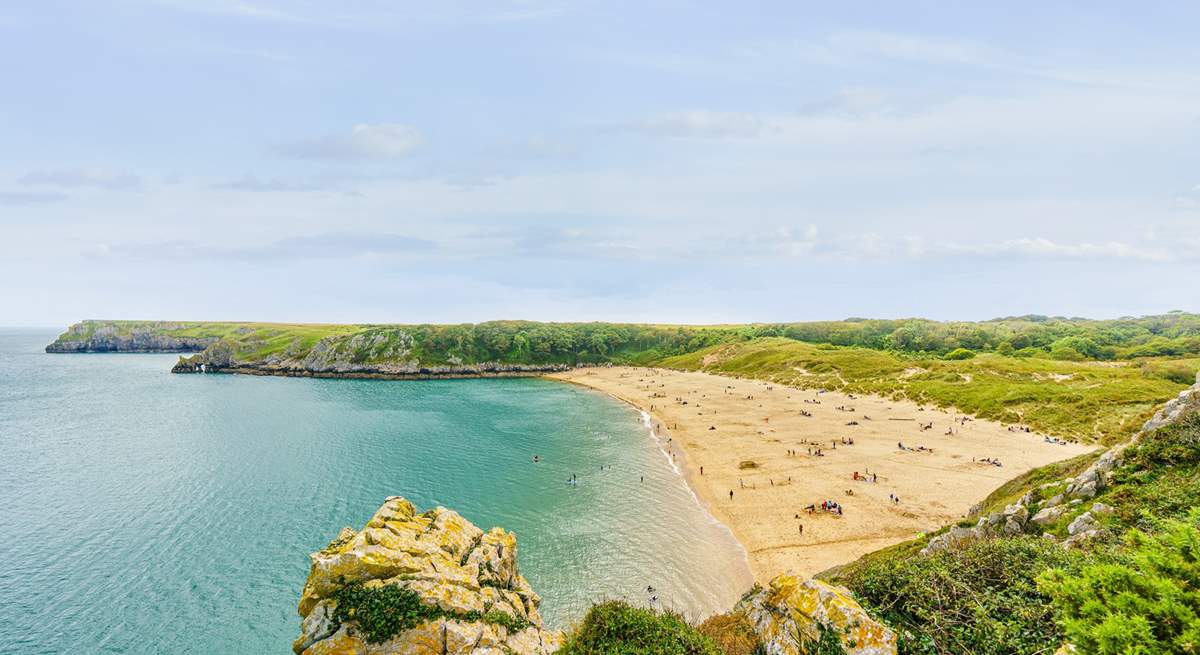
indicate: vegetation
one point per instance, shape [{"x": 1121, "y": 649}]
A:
[
  {"x": 385, "y": 611},
  {"x": 980, "y": 599},
  {"x": 732, "y": 634},
  {"x": 1148, "y": 604},
  {"x": 617, "y": 628},
  {"x": 1169, "y": 335}
]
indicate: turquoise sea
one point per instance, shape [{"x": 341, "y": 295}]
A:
[{"x": 145, "y": 512}]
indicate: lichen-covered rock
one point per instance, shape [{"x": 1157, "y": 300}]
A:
[
  {"x": 467, "y": 580},
  {"x": 790, "y": 613}
]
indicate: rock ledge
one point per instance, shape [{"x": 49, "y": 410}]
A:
[{"x": 463, "y": 575}]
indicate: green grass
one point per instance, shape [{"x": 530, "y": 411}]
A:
[{"x": 1088, "y": 401}]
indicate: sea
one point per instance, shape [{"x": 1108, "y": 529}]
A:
[{"x": 147, "y": 512}]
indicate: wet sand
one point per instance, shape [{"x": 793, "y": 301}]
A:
[{"x": 751, "y": 437}]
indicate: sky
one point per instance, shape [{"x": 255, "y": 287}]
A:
[{"x": 675, "y": 162}]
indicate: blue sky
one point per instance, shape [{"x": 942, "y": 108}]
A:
[{"x": 657, "y": 161}]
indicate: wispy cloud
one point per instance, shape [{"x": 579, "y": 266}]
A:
[
  {"x": 365, "y": 141},
  {"x": 29, "y": 197},
  {"x": 105, "y": 178},
  {"x": 252, "y": 183},
  {"x": 700, "y": 124},
  {"x": 329, "y": 245}
]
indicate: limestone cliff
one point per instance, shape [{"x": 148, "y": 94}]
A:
[
  {"x": 421, "y": 584},
  {"x": 791, "y": 613},
  {"x": 382, "y": 352},
  {"x": 104, "y": 337}
]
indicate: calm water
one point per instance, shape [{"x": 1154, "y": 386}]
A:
[{"x": 145, "y": 512}]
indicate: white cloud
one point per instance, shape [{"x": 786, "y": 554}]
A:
[{"x": 365, "y": 141}]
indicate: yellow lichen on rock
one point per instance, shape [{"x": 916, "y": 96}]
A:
[
  {"x": 791, "y": 613},
  {"x": 449, "y": 563}
]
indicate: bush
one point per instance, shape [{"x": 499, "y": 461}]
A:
[
  {"x": 959, "y": 353},
  {"x": 732, "y": 634},
  {"x": 616, "y": 628},
  {"x": 381, "y": 612},
  {"x": 1149, "y": 605},
  {"x": 980, "y": 598}
]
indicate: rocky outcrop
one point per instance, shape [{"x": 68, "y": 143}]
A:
[
  {"x": 102, "y": 337},
  {"x": 383, "y": 353},
  {"x": 790, "y": 614},
  {"x": 426, "y": 583},
  {"x": 1076, "y": 491}
]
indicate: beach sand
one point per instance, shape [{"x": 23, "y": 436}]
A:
[{"x": 724, "y": 424}]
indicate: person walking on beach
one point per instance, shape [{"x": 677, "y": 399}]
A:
[{"x": 731, "y": 494}]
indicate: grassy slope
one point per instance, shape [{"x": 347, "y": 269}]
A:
[{"x": 1082, "y": 400}]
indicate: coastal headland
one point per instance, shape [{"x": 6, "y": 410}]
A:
[{"x": 781, "y": 450}]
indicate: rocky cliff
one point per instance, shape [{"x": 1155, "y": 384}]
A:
[
  {"x": 426, "y": 583},
  {"x": 105, "y": 337},
  {"x": 431, "y": 583},
  {"x": 382, "y": 352}
]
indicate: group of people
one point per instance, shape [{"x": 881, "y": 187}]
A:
[{"x": 831, "y": 506}]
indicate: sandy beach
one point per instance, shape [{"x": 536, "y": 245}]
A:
[{"x": 781, "y": 450}]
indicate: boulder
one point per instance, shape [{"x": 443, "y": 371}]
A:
[
  {"x": 790, "y": 614},
  {"x": 1048, "y": 515},
  {"x": 476, "y": 601},
  {"x": 1082, "y": 523}
]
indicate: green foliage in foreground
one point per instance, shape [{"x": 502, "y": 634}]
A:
[
  {"x": 385, "y": 611},
  {"x": 1147, "y": 605},
  {"x": 979, "y": 599},
  {"x": 616, "y": 628},
  {"x": 1080, "y": 400}
]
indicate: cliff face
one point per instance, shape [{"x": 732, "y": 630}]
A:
[
  {"x": 383, "y": 352},
  {"x": 421, "y": 584},
  {"x": 97, "y": 337}
]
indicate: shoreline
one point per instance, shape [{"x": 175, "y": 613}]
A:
[
  {"x": 680, "y": 463},
  {"x": 943, "y": 481}
]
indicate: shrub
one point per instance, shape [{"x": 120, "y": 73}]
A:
[
  {"x": 616, "y": 628},
  {"x": 732, "y": 634},
  {"x": 1149, "y": 605},
  {"x": 381, "y": 612},
  {"x": 385, "y": 611},
  {"x": 961, "y": 353},
  {"x": 979, "y": 599}
]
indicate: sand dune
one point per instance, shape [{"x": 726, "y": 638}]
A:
[{"x": 754, "y": 439}]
